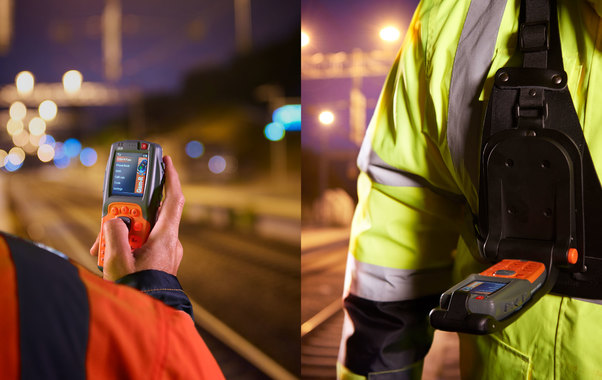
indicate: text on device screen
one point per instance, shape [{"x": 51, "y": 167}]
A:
[
  {"x": 483, "y": 287},
  {"x": 129, "y": 174}
]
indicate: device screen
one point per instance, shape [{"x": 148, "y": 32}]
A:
[
  {"x": 483, "y": 287},
  {"x": 129, "y": 174}
]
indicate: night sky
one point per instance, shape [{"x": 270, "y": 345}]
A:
[
  {"x": 344, "y": 25},
  {"x": 161, "y": 40}
]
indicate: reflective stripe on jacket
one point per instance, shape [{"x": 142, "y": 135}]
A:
[
  {"x": 413, "y": 226},
  {"x": 60, "y": 321}
]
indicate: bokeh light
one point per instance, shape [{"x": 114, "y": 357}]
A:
[
  {"x": 390, "y": 34},
  {"x": 72, "y": 147},
  {"x": 37, "y": 126},
  {"x": 61, "y": 160},
  {"x": 217, "y": 164},
  {"x": 304, "y": 39},
  {"x": 45, "y": 153},
  {"x": 88, "y": 157},
  {"x": 326, "y": 117},
  {"x": 3, "y": 155},
  {"x": 24, "y": 82},
  {"x": 21, "y": 139},
  {"x": 72, "y": 81},
  {"x": 274, "y": 131},
  {"x": 17, "y": 111},
  {"x": 48, "y": 139},
  {"x": 195, "y": 149},
  {"x": 16, "y": 156},
  {"x": 47, "y": 110},
  {"x": 289, "y": 116},
  {"x": 14, "y": 127},
  {"x": 36, "y": 140}
]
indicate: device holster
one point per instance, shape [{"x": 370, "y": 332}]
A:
[{"x": 539, "y": 194}]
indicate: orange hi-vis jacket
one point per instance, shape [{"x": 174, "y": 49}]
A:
[{"x": 60, "y": 321}]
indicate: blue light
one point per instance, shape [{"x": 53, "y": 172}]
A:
[
  {"x": 289, "y": 116},
  {"x": 195, "y": 149},
  {"x": 72, "y": 147},
  {"x": 274, "y": 131},
  {"x": 47, "y": 139},
  {"x": 88, "y": 157},
  {"x": 217, "y": 164},
  {"x": 59, "y": 151},
  {"x": 10, "y": 167},
  {"x": 62, "y": 162}
]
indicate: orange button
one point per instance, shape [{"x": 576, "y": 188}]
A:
[
  {"x": 134, "y": 212},
  {"x": 125, "y": 210},
  {"x": 572, "y": 255},
  {"x": 137, "y": 226},
  {"x": 114, "y": 210}
]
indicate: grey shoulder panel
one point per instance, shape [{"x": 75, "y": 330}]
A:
[{"x": 471, "y": 65}]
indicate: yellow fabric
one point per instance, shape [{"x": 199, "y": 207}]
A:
[{"x": 416, "y": 228}]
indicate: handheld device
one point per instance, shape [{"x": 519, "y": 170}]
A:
[
  {"x": 133, "y": 188},
  {"x": 485, "y": 302}
]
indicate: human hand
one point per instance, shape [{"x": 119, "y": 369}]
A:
[{"x": 162, "y": 251}]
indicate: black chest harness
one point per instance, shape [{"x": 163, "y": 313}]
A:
[{"x": 540, "y": 198}]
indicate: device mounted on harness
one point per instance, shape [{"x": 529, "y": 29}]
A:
[{"x": 536, "y": 176}]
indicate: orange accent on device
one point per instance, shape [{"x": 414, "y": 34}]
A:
[
  {"x": 139, "y": 227},
  {"x": 572, "y": 255},
  {"x": 521, "y": 269}
]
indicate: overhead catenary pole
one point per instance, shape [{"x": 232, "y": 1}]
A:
[
  {"x": 111, "y": 39},
  {"x": 242, "y": 26}
]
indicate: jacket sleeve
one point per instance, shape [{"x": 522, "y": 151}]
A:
[
  {"x": 406, "y": 224},
  {"x": 161, "y": 286}
]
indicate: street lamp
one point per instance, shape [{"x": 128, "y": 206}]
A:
[
  {"x": 326, "y": 118},
  {"x": 390, "y": 34},
  {"x": 304, "y": 39},
  {"x": 24, "y": 82},
  {"x": 72, "y": 81}
]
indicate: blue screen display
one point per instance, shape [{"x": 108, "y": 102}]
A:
[{"x": 483, "y": 287}]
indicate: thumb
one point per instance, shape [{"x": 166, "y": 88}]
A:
[{"x": 119, "y": 260}]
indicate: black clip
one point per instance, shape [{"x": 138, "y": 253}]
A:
[{"x": 534, "y": 36}]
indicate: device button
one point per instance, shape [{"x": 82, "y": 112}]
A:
[
  {"x": 124, "y": 210},
  {"x": 572, "y": 255},
  {"x": 135, "y": 241},
  {"x": 114, "y": 210},
  {"x": 137, "y": 226},
  {"x": 143, "y": 146},
  {"x": 504, "y": 272},
  {"x": 134, "y": 212},
  {"x": 480, "y": 297},
  {"x": 127, "y": 221}
]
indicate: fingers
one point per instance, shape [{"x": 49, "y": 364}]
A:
[
  {"x": 171, "y": 209},
  {"x": 118, "y": 260},
  {"x": 94, "y": 249}
]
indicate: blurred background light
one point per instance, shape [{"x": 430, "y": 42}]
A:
[
  {"x": 304, "y": 39},
  {"x": 72, "y": 81},
  {"x": 274, "y": 131},
  {"x": 45, "y": 153},
  {"x": 14, "y": 127},
  {"x": 24, "y": 82},
  {"x": 3, "y": 155},
  {"x": 326, "y": 117},
  {"x": 36, "y": 140},
  {"x": 72, "y": 147},
  {"x": 390, "y": 34},
  {"x": 88, "y": 157},
  {"x": 48, "y": 139},
  {"x": 217, "y": 164},
  {"x": 47, "y": 110},
  {"x": 21, "y": 139},
  {"x": 195, "y": 149},
  {"x": 37, "y": 126},
  {"x": 17, "y": 111},
  {"x": 289, "y": 116},
  {"x": 16, "y": 156}
]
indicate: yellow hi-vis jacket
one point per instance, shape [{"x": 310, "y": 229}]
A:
[{"x": 413, "y": 236}]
